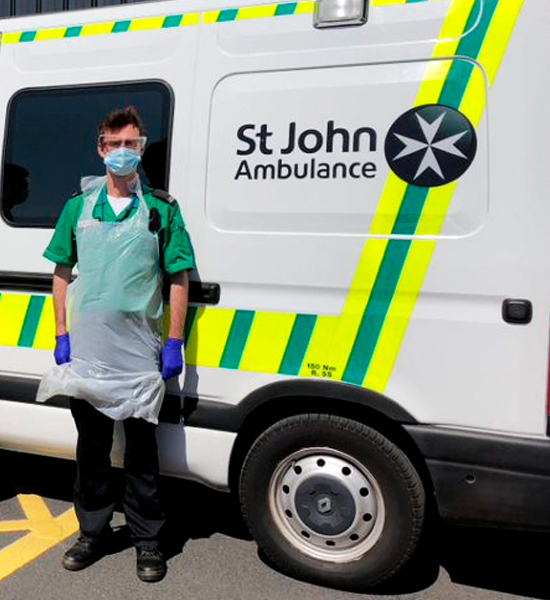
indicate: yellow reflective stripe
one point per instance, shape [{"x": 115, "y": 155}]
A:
[
  {"x": 356, "y": 302},
  {"x": 453, "y": 27},
  {"x": 304, "y": 8},
  {"x": 267, "y": 342},
  {"x": 96, "y": 29},
  {"x": 146, "y": 24},
  {"x": 393, "y": 2},
  {"x": 474, "y": 99},
  {"x": 503, "y": 23},
  {"x": 208, "y": 337},
  {"x": 408, "y": 288},
  {"x": 398, "y": 316},
  {"x": 12, "y": 314},
  {"x": 435, "y": 209},
  {"x": 450, "y": 34},
  {"x": 438, "y": 201},
  {"x": 190, "y": 19},
  {"x": 388, "y": 2},
  {"x": 414, "y": 270},
  {"x": 256, "y": 12},
  {"x": 50, "y": 34},
  {"x": 388, "y": 206},
  {"x": 11, "y": 38},
  {"x": 338, "y": 350},
  {"x": 324, "y": 335},
  {"x": 165, "y": 321},
  {"x": 210, "y": 16},
  {"x": 45, "y": 334}
]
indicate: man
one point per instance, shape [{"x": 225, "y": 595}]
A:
[{"x": 123, "y": 236}]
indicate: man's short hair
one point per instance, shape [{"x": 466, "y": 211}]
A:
[{"x": 120, "y": 118}]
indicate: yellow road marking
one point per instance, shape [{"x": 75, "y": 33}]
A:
[
  {"x": 34, "y": 507},
  {"x": 12, "y": 526},
  {"x": 45, "y": 532}
]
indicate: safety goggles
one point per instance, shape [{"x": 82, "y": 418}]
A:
[{"x": 113, "y": 142}]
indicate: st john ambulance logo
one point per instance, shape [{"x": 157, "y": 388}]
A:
[{"x": 430, "y": 145}]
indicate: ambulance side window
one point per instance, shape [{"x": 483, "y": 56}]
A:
[
  {"x": 18, "y": 8},
  {"x": 51, "y": 143}
]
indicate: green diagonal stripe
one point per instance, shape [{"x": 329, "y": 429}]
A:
[
  {"x": 73, "y": 31},
  {"x": 469, "y": 46},
  {"x": 236, "y": 341},
  {"x": 375, "y": 313},
  {"x": 300, "y": 336},
  {"x": 189, "y": 322},
  {"x": 28, "y": 36},
  {"x": 229, "y": 14},
  {"x": 121, "y": 26},
  {"x": 285, "y": 9},
  {"x": 172, "y": 21},
  {"x": 32, "y": 319},
  {"x": 410, "y": 211}
]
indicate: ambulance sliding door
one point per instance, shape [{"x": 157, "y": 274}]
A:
[{"x": 292, "y": 189}]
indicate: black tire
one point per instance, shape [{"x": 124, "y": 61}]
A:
[{"x": 307, "y": 477}]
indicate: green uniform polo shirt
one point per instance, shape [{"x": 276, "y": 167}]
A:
[{"x": 174, "y": 244}]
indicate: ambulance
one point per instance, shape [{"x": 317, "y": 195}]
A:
[{"x": 366, "y": 184}]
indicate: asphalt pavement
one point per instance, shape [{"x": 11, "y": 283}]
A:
[{"x": 211, "y": 556}]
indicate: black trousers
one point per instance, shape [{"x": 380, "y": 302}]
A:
[{"x": 94, "y": 496}]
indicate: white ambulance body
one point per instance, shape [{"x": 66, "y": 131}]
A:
[{"x": 369, "y": 209}]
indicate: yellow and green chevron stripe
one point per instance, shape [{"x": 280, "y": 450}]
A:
[
  {"x": 27, "y": 321},
  {"x": 174, "y": 21},
  {"x": 360, "y": 345}
]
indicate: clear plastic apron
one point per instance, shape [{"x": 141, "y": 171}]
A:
[{"x": 115, "y": 315}]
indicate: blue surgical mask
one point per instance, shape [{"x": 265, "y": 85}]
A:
[{"x": 122, "y": 161}]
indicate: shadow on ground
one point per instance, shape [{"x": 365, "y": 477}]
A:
[
  {"x": 513, "y": 562},
  {"x": 193, "y": 510}
]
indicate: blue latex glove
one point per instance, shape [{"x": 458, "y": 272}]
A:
[
  {"x": 172, "y": 358},
  {"x": 62, "y": 352}
]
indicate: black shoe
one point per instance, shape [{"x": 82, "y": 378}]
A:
[
  {"x": 84, "y": 553},
  {"x": 151, "y": 565}
]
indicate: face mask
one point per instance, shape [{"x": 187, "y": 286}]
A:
[{"x": 122, "y": 161}]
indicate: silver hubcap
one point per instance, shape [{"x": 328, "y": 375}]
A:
[{"x": 326, "y": 504}]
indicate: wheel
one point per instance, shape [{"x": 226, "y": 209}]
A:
[{"x": 332, "y": 501}]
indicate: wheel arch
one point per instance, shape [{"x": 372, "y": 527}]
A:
[{"x": 274, "y": 402}]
